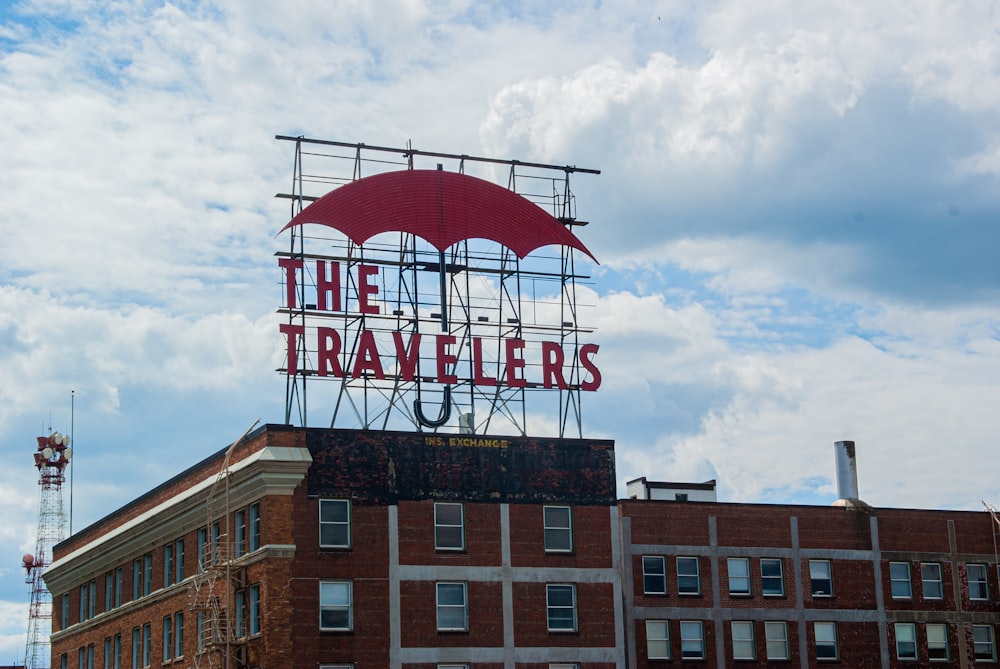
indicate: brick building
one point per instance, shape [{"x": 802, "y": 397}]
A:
[{"x": 322, "y": 549}]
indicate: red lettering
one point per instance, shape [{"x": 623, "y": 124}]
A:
[
  {"x": 514, "y": 363},
  {"x": 327, "y": 284},
  {"x": 365, "y": 289},
  {"x": 293, "y": 332},
  {"x": 552, "y": 365},
  {"x": 407, "y": 357},
  {"x": 367, "y": 358},
  {"x": 328, "y": 345},
  {"x": 444, "y": 359},
  {"x": 587, "y": 351},
  {"x": 290, "y": 265},
  {"x": 479, "y": 378}
]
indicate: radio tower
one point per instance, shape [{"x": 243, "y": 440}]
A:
[{"x": 51, "y": 459}]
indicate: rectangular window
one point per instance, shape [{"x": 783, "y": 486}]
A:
[
  {"x": 147, "y": 646},
  {"x": 654, "y": 575},
  {"x": 240, "y": 530},
  {"x": 692, "y": 640},
  {"x": 978, "y": 587},
  {"x": 558, "y": 522},
  {"x": 688, "y": 576},
  {"x": 202, "y": 549},
  {"x": 657, "y": 640},
  {"x": 254, "y": 613},
  {"x": 65, "y": 610},
  {"x": 982, "y": 640},
  {"x": 137, "y": 578},
  {"x": 117, "y": 664},
  {"x": 83, "y": 603},
  {"x": 90, "y": 656},
  {"x": 449, "y": 526},
  {"x": 906, "y": 641},
  {"x": 739, "y": 576},
  {"x": 107, "y": 653},
  {"x": 899, "y": 580},
  {"x": 118, "y": 587},
  {"x": 937, "y": 642},
  {"x": 81, "y": 658},
  {"x": 821, "y": 578},
  {"x": 452, "y": 607},
  {"x": 147, "y": 574},
  {"x": 200, "y": 631},
  {"x": 216, "y": 542},
  {"x": 776, "y": 639},
  {"x": 91, "y": 599},
  {"x": 168, "y": 638},
  {"x": 826, "y": 641},
  {"x": 254, "y": 541},
  {"x": 772, "y": 580},
  {"x": 109, "y": 591},
  {"x": 560, "y": 603},
  {"x": 931, "y": 581},
  {"x": 168, "y": 565},
  {"x": 335, "y": 611},
  {"x": 63, "y": 661},
  {"x": 239, "y": 614},
  {"x": 335, "y": 523},
  {"x": 179, "y": 561},
  {"x": 744, "y": 647},
  {"x": 136, "y": 648},
  {"x": 179, "y": 634}
]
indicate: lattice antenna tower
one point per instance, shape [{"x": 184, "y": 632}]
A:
[{"x": 51, "y": 459}]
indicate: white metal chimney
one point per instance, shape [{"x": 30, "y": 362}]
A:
[{"x": 847, "y": 476}]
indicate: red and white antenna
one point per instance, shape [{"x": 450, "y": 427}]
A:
[{"x": 51, "y": 459}]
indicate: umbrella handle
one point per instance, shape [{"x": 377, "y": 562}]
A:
[{"x": 443, "y": 415}]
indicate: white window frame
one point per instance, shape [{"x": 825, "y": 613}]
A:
[
  {"x": 906, "y": 641},
  {"x": 767, "y": 581},
  {"x": 331, "y": 600},
  {"x": 558, "y": 532},
  {"x": 685, "y": 576},
  {"x": 739, "y": 583},
  {"x": 442, "y": 541},
  {"x": 983, "y": 643},
  {"x": 982, "y": 584},
  {"x": 648, "y": 572},
  {"x": 817, "y": 575},
  {"x": 825, "y": 636},
  {"x": 744, "y": 643},
  {"x": 560, "y": 589},
  {"x": 692, "y": 640},
  {"x": 776, "y": 632},
  {"x": 178, "y": 635},
  {"x": 937, "y": 642},
  {"x": 168, "y": 638},
  {"x": 328, "y": 507},
  {"x": 900, "y": 584},
  {"x": 444, "y": 588},
  {"x": 935, "y": 579},
  {"x": 657, "y": 638}
]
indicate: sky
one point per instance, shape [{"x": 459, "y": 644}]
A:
[{"x": 796, "y": 223}]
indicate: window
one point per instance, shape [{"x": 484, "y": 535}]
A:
[
  {"x": 65, "y": 610},
  {"x": 931, "y": 581},
  {"x": 117, "y": 664},
  {"x": 107, "y": 653},
  {"x": 899, "y": 580},
  {"x": 744, "y": 647},
  {"x": 168, "y": 565},
  {"x": 654, "y": 575},
  {"x": 335, "y": 523},
  {"x": 137, "y": 578},
  {"x": 179, "y": 634},
  {"x": 906, "y": 641},
  {"x": 216, "y": 541},
  {"x": 692, "y": 640},
  {"x": 558, "y": 522},
  {"x": 449, "y": 526},
  {"x": 978, "y": 588},
  {"x": 452, "y": 607},
  {"x": 937, "y": 641},
  {"x": 657, "y": 640},
  {"x": 254, "y": 527},
  {"x": 255, "y": 608},
  {"x": 202, "y": 549},
  {"x": 240, "y": 529},
  {"x": 772, "y": 581},
  {"x": 118, "y": 587},
  {"x": 147, "y": 574},
  {"x": 92, "y": 599},
  {"x": 168, "y": 638},
  {"x": 179, "y": 561},
  {"x": 81, "y": 658},
  {"x": 147, "y": 646},
  {"x": 982, "y": 640},
  {"x": 821, "y": 578},
  {"x": 201, "y": 630},
  {"x": 688, "y": 578},
  {"x": 109, "y": 592},
  {"x": 136, "y": 648},
  {"x": 680, "y": 496},
  {"x": 826, "y": 641},
  {"x": 63, "y": 661},
  {"x": 239, "y": 614},
  {"x": 776, "y": 640},
  {"x": 739, "y": 576},
  {"x": 335, "y": 605},
  {"x": 560, "y": 602},
  {"x": 83, "y": 603}
]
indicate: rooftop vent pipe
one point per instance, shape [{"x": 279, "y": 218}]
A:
[{"x": 847, "y": 475}]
